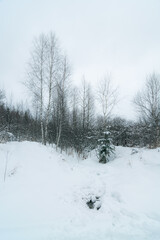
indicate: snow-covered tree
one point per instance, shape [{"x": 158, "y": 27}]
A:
[{"x": 105, "y": 148}]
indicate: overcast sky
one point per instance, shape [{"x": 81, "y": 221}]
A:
[{"x": 120, "y": 37}]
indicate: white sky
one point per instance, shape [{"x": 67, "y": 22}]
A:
[{"x": 121, "y": 37}]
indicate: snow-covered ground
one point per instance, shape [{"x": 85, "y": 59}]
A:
[{"x": 44, "y": 195}]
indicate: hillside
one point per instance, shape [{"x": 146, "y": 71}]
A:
[{"x": 44, "y": 195}]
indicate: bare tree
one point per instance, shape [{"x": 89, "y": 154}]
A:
[
  {"x": 107, "y": 97},
  {"x": 86, "y": 104},
  {"x": 147, "y": 103},
  {"x": 2, "y": 96},
  {"x": 74, "y": 102},
  {"x": 43, "y": 72},
  {"x": 90, "y": 107},
  {"x": 52, "y": 73},
  {"x": 83, "y": 97},
  {"x": 36, "y": 76},
  {"x": 62, "y": 87}
]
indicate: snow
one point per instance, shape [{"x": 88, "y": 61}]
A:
[{"x": 45, "y": 192}]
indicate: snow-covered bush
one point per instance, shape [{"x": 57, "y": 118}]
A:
[{"x": 6, "y": 137}]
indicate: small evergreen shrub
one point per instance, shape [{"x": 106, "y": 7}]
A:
[{"x": 105, "y": 148}]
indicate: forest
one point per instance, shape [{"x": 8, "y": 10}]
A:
[{"x": 74, "y": 118}]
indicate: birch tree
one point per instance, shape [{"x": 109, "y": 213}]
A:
[
  {"x": 84, "y": 102},
  {"x": 107, "y": 98},
  {"x": 62, "y": 87},
  {"x": 36, "y": 75},
  {"x": 42, "y": 76},
  {"x": 147, "y": 104},
  {"x": 52, "y": 69}
]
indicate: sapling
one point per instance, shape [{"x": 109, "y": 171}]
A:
[{"x": 105, "y": 148}]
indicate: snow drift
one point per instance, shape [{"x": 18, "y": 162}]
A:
[{"x": 44, "y": 194}]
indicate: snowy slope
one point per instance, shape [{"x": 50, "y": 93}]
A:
[{"x": 44, "y": 195}]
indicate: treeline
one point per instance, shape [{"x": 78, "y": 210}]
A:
[
  {"x": 74, "y": 133},
  {"x": 18, "y": 122}
]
